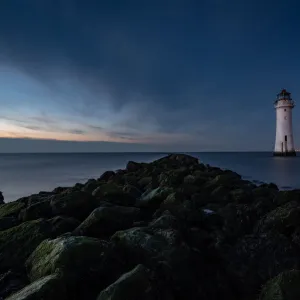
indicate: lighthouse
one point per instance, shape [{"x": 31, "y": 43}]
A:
[{"x": 284, "y": 142}]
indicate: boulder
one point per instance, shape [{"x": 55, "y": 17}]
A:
[
  {"x": 1, "y": 198},
  {"x": 105, "y": 221},
  {"x": 36, "y": 211},
  {"x": 257, "y": 258},
  {"x": 107, "y": 176},
  {"x": 75, "y": 258},
  {"x": 133, "y": 285},
  {"x": 61, "y": 224},
  {"x": 153, "y": 198},
  {"x": 284, "y": 219},
  {"x": 8, "y": 222},
  {"x": 138, "y": 243},
  {"x": 11, "y": 209},
  {"x": 176, "y": 160},
  {"x": 18, "y": 242},
  {"x": 46, "y": 288},
  {"x": 113, "y": 193},
  {"x": 285, "y": 286},
  {"x": 133, "y": 191},
  {"x": 11, "y": 282},
  {"x": 90, "y": 186},
  {"x": 76, "y": 204},
  {"x": 133, "y": 166}
]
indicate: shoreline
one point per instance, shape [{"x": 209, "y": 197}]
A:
[{"x": 173, "y": 227}]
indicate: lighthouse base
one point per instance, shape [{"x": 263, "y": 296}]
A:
[{"x": 290, "y": 153}]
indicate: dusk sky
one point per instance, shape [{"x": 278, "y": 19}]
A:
[{"x": 174, "y": 75}]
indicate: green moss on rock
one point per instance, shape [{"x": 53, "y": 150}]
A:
[
  {"x": 11, "y": 209},
  {"x": 75, "y": 257},
  {"x": 17, "y": 243}
]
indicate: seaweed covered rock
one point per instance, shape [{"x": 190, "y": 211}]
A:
[
  {"x": 75, "y": 204},
  {"x": 133, "y": 285},
  {"x": 105, "y": 221},
  {"x": 74, "y": 257},
  {"x": 46, "y": 288},
  {"x": 285, "y": 286}
]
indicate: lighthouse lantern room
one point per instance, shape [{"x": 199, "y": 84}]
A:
[{"x": 284, "y": 142}]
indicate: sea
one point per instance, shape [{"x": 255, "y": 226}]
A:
[{"x": 25, "y": 174}]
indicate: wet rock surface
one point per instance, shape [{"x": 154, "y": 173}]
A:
[{"x": 172, "y": 229}]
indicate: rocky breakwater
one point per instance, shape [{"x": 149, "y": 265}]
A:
[{"x": 172, "y": 229}]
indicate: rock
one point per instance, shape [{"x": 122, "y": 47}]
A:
[
  {"x": 11, "y": 282},
  {"x": 105, "y": 221},
  {"x": 1, "y": 198},
  {"x": 189, "y": 179},
  {"x": 257, "y": 258},
  {"x": 144, "y": 182},
  {"x": 132, "y": 191},
  {"x": 285, "y": 286},
  {"x": 176, "y": 160},
  {"x": 133, "y": 166},
  {"x": 140, "y": 244},
  {"x": 133, "y": 285},
  {"x": 287, "y": 196},
  {"x": 113, "y": 193},
  {"x": 17, "y": 243},
  {"x": 11, "y": 209},
  {"x": 59, "y": 190},
  {"x": 8, "y": 222},
  {"x": 60, "y": 225},
  {"x": 107, "y": 176},
  {"x": 153, "y": 198},
  {"x": 36, "y": 211},
  {"x": 90, "y": 186},
  {"x": 284, "y": 219},
  {"x": 165, "y": 221},
  {"x": 75, "y": 257},
  {"x": 47, "y": 288},
  {"x": 74, "y": 204}
]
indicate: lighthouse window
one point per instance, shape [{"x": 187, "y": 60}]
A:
[
  {"x": 285, "y": 109},
  {"x": 285, "y": 137}
]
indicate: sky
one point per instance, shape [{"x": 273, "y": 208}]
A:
[{"x": 167, "y": 75}]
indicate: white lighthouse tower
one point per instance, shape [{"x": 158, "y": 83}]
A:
[{"x": 284, "y": 142}]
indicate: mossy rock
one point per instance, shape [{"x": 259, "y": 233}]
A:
[
  {"x": 133, "y": 285},
  {"x": 74, "y": 256},
  {"x": 76, "y": 204},
  {"x": 11, "y": 209},
  {"x": 17, "y": 243},
  {"x": 46, "y": 288},
  {"x": 285, "y": 286},
  {"x": 283, "y": 219},
  {"x": 105, "y": 221}
]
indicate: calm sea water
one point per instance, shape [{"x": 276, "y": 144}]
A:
[{"x": 25, "y": 174}]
